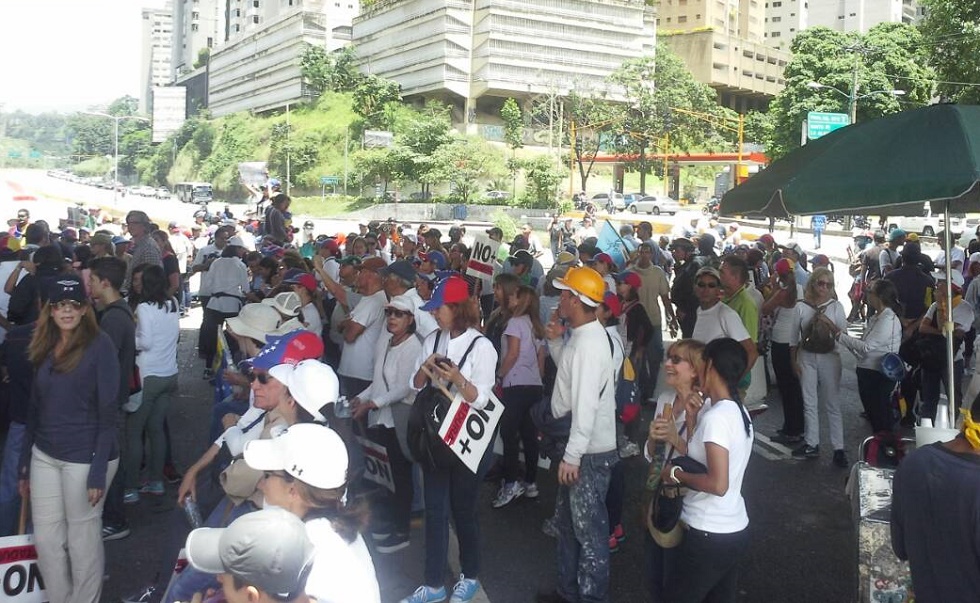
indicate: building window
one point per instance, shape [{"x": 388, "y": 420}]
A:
[
  {"x": 854, "y": 14},
  {"x": 193, "y": 26},
  {"x": 255, "y": 3},
  {"x": 777, "y": 4},
  {"x": 668, "y": 19},
  {"x": 697, "y": 17},
  {"x": 255, "y": 18},
  {"x": 792, "y": 29},
  {"x": 238, "y": 12},
  {"x": 195, "y": 15},
  {"x": 776, "y": 34},
  {"x": 210, "y": 42},
  {"x": 777, "y": 19},
  {"x": 682, "y": 19}
]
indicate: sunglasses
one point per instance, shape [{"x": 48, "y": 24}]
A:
[
  {"x": 825, "y": 284},
  {"x": 396, "y": 313},
  {"x": 280, "y": 474},
  {"x": 262, "y": 378},
  {"x": 67, "y": 303},
  {"x": 675, "y": 359},
  {"x": 706, "y": 284}
]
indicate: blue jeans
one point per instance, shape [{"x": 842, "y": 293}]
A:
[
  {"x": 704, "y": 567},
  {"x": 9, "y": 496},
  {"x": 453, "y": 491},
  {"x": 583, "y": 531}
]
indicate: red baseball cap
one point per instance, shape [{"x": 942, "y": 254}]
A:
[
  {"x": 611, "y": 301},
  {"x": 291, "y": 348},
  {"x": 451, "y": 290},
  {"x": 605, "y": 258},
  {"x": 630, "y": 278}
]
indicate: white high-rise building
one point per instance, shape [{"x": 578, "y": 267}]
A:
[
  {"x": 155, "y": 65},
  {"x": 197, "y": 24},
  {"x": 786, "y": 18}
]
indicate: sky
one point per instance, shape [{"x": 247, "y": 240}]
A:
[{"x": 68, "y": 55}]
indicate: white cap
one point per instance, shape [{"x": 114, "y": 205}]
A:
[
  {"x": 313, "y": 454},
  {"x": 975, "y": 257},
  {"x": 254, "y": 321},
  {"x": 402, "y": 302},
  {"x": 311, "y": 383},
  {"x": 287, "y": 302},
  {"x": 236, "y": 241},
  {"x": 956, "y": 280}
]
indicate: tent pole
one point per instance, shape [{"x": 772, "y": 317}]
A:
[{"x": 949, "y": 326}]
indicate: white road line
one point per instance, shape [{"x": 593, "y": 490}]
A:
[
  {"x": 771, "y": 450},
  {"x": 481, "y": 595}
]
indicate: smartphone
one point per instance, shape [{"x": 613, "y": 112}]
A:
[{"x": 444, "y": 362}]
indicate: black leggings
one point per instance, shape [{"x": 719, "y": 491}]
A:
[{"x": 517, "y": 428}]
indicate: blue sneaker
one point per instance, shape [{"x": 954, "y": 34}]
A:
[
  {"x": 465, "y": 590},
  {"x": 426, "y": 594},
  {"x": 131, "y": 497}
]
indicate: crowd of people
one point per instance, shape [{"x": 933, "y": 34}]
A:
[{"x": 316, "y": 341}]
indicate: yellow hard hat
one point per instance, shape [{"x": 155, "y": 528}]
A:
[{"x": 584, "y": 282}]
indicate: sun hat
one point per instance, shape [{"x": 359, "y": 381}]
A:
[
  {"x": 254, "y": 321},
  {"x": 314, "y": 454},
  {"x": 311, "y": 383},
  {"x": 268, "y": 549}
]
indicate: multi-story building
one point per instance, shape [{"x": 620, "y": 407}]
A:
[
  {"x": 259, "y": 69},
  {"x": 722, "y": 42},
  {"x": 475, "y": 54},
  {"x": 785, "y": 18},
  {"x": 197, "y": 25},
  {"x": 155, "y": 67}
]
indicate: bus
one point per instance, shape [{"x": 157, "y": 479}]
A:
[{"x": 194, "y": 192}]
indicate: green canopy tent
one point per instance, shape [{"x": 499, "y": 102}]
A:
[{"x": 891, "y": 165}]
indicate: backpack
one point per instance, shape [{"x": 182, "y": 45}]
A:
[
  {"x": 884, "y": 450},
  {"x": 817, "y": 336}
]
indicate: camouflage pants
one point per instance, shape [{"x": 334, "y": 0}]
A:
[{"x": 583, "y": 531}]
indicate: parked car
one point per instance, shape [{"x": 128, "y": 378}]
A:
[
  {"x": 656, "y": 205},
  {"x": 928, "y": 224},
  {"x": 163, "y": 192},
  {"x": 611, "y": 205},
  {"x": 497, "y": 195},
  {"x": 631, "y": 198}
]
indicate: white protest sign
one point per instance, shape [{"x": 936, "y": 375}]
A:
[
  {"x": 469, "y": 431},
  {"x": 377, "y": 466},
  {"x": 20, "y": 577},
  {"x": 481, "y": 259}
]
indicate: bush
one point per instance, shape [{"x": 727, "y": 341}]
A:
[{"x": 507, "y": 224}]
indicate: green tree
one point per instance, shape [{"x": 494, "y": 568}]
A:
[
  {"x": 889, "y": 57},
  {"x": 594, "y": 120},
  {"x": 336, "y": 71},
  {"x": 203, "y": 55},
  {"x": 465, "y": 163},
  {"x": 542, "y": 182},
  {"x": 513, "y": 119},
  {"x": 371, "y": 95},
  {"x": 951, "y": 39},
  {"x": 419, "y": 137}
]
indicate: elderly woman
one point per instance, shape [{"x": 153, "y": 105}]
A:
[
  {"x": 819, "y": 372},
  {"x": 386, "y": 404},
  {"x": 70, "y": 452},
  {"x": 460, "y": 355}
]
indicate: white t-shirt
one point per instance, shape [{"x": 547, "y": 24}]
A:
[
  {"x": 357, "y": 357},
  {"x": 719, "y": 321},
  {"x": 958, "y": 256},
  {"x": 721, "y": 424},
  {"x": 342, "y": 572},
  {"x": 962, "y": 319},
  {"x": 157, "y": 331},
  {"x": 784, "y": 322},
  {"x": 311, "y": 317}
]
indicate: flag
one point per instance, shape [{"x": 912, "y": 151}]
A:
[
  {"x": 613, "y": 244},
  {"x": 222, "y": 360}
]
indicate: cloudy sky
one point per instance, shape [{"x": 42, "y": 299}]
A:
[{"x": 67, "y": 55}]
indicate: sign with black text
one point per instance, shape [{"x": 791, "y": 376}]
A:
[
  {"x": 20, "y": 577},
  {"x": 469, "y": 431},
  {"x": 377, "y": 466},
  {"x": 481, "y": 259}
]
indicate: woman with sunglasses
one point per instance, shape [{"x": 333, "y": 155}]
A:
[
  {"x": 305, "y": 473},
  {"x": 70, "y": 452},
  {"x": 819, "y": 373},
  {"x": 386, "y": 404},
  {"x": 157, "y": 330},
  {"x": 704, "y": 567},
  {"x": 675, "y": 419}
]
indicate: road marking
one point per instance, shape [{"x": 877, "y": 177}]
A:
[
  {"x": 768, "y": 449},
  {"x": 481, "y": 595}
]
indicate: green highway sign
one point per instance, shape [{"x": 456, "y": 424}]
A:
[{"x": 819, "y": 123}]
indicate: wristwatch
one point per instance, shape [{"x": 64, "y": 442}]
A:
[{"x": 673, "y": 474}]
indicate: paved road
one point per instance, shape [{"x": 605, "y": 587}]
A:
[{"x": 802, "y": 547}]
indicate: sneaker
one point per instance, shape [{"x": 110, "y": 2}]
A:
[
  {"x": 208, "y": 374},
  {"x": 114, "y": 532},
  {"x": 508, "y": 494},
  {"x": 530, "y": 490},
  {"x": 781, "y": 438},
  {"x": 393, "y": 543},
  {"x": 426, "y": 594},
  {"x": 147, "y": 594},
  {"x": 550, "y": 527},
  {"x": 628, "y": 449},
  {"x": 465, "y": 590},
  {"x": 619, "y": 533},
  {"x": 171, "y": 475},
  {"x": 807, "y": 451},
  {"x": 131, "y": 497},
  {"x": 840, "y": 459},
  {"x": 613, "y": 544},
  {"x": 154, "y": 488},
  {"x": 380, "y": 535}
]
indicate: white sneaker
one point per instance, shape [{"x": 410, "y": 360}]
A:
[{"x": 508, "y": 494}]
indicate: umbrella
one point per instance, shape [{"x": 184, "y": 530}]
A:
[{"x": 893, "y": 164}]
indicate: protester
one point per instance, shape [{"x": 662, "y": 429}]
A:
[
  {"x": 781, "y": 305},
  {"x": 225, "y": 283},
  {"x": 70, "y": 452},
  {"x": 943, "y": 310}
]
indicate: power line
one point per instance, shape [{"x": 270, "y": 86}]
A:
[{"x": 905, "y": 77}]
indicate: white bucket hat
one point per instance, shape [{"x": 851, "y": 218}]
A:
[{"x": 254, "y": 321}]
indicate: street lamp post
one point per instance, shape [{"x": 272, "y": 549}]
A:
[
  {"x": 115, "y": 146},
  {"x": 853, "y": 97}
]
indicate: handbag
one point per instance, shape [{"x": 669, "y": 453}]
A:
[{"x": 664, "y": 521}]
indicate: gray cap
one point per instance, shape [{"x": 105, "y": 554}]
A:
[{"x": 268, "y": 549}]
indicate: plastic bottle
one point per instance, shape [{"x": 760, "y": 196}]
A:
[
  {"x": 942, "y": 413},
  {"x": 193, "y": 513}
]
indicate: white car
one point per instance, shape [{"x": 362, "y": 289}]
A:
[{"x": 656, "y": 205}]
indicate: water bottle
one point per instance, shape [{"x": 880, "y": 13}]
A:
[
  {"x": 193, "y": 513},
  {"x": 942, "y": 414},
  {"x": 341, "y": 408}
]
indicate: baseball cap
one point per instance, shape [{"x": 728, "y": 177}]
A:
[
  {"x": 521, "y": 257},
  {"x": 268, "y": 549},
  {"x": 793, "y": 246},
  {"x": 120, "y": 240},
  {"x": 70, "y": 234},
  {"x": 604, "y": 258},
  {"x": 681, "y": 243},
  {"x": 330, "y": 244},
  {"x": 784, "y": 266},
  {"x": 403, "y": 303},
  {"x": 974, "y": 257},
  {"x": 437, "y": 258},
  {"x": 630, "y": 278},
  {"x": 254, "y": 321},
  {"x": 709, "y": 271},
  {"x": 565, "y": 258},
  {"x": 236, "y": 241},
  {"x": 291, "y": 348},
  {"x": 495, "y": 231},
  {"x": 767, "y": 239},
  {"x": 67, "y": 286},
  {"x": 896, "y": 234},
  {"x": 311, "y": 383},
  {"x": 100, "y": 239},
  {"x": 173, "y": 227},
  {"x": 820, "y": 260},
  {"x": 453, "y": 289},
  {"x": 294, "y": 276},
  {"x": 287, "y": 303},
  {"x": 403, "y": 269},
  {"x": 611, "y": 301},
  {"x": 375, "y": 264},
  {"x": 314, "y": 454}
]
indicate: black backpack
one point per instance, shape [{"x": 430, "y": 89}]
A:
[{"x": 426, "y": 417}]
